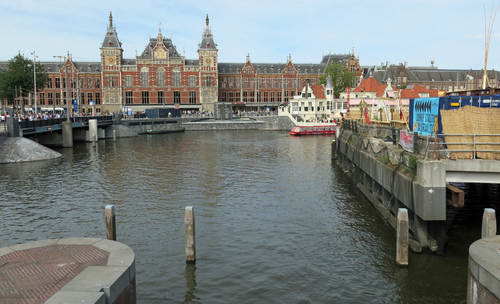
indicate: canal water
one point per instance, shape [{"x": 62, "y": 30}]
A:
[{"x": 276, "y": 222}]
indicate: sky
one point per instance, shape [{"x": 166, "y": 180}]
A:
[{"x": 450, "y": 32}]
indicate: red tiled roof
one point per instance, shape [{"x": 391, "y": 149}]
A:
[
  {"x": 318, "y": 91},
  {"x": 408, "y": 93},
  {"x": 417, "y": 89},
  {"x": 371, "y": 85}
]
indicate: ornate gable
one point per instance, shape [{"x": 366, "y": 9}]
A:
[
  {"x": 248, "y": 68},
  {"x": 289, "y": 68},
  {"x": 160, "y": 51},
  {"x": 68, "y": 65}
]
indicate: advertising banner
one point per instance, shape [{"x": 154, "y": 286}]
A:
[
  {"x": 406, "y": 140},
  {"x": 425, "y": 111}
]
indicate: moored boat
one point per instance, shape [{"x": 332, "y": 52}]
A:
[{"x": 313, "y": 130}]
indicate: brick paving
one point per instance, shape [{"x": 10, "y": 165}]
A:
[{"x": 32, "y": 276}]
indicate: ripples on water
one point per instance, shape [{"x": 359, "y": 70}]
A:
[{"x": 275, "y": 222}]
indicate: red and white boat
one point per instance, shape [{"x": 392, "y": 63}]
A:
[{"x": 313, "y": 130}]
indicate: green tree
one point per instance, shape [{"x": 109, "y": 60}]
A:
[
  {"x": 17, "y": 80},
  {"x": 341, "y": 77}
]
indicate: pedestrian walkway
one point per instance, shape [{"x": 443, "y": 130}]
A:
[
  {"x": 68, "y": 270},
  {"x": 33, "y": 275}
]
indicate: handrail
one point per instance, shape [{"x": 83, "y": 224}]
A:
[{"x": 476, "y": 144}]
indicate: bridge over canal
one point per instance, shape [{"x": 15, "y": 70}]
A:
[{"x": 61, "y": 132}]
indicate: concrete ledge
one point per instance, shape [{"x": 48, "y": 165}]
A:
[
  {"x": 78, "y": 241},
  {"x": 112, "y": 280},
  {"x": 484, "y": 269},
  {"x": 33, "y": 244},
  {"x": 80, "y": 297}
]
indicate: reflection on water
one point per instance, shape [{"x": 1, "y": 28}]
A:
[
  {"x": 190, "y": 283},
  {"x": 276, "y": 222}
]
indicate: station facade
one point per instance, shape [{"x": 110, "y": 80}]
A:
[{"x": 161, "y": 77}]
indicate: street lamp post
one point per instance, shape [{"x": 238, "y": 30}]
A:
[
  {"x": 34, "y": 78},
  {"x": 66, "y": 126},
  {"x": 67, "y": 94},
  {"x": 60, "y": 81}
]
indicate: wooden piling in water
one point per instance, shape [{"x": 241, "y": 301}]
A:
[
  {"x": 190, "y": 235},
  {"x": 489, "y": 226},
  {"x": 109, "y": 214},
  {"x": 402, "y": 236},
  {"x": 334, "y": 145}
]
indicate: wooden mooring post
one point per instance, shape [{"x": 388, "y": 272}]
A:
[
  {"x": 489, "y": 226},
  {"x": 190, "y": 235},
  {"x": 402, "y": 236},
  {"x": 109, "y": 214}
]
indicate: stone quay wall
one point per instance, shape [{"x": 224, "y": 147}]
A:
[
  {"x": 223, "y": 125},
  {"x": 391, "y": 178}
]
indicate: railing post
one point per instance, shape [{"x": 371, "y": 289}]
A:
[
  {"x": 474, "y": 146},
  {"x": 109, "y": 214},
  {"x": 190, "y": 235}
]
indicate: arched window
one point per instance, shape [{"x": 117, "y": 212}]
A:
[
  {"x": 160, "y": 77},
  {"x": 144, "y": 76}
]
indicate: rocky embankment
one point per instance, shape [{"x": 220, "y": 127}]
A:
[{"x": 20, "y": 149}]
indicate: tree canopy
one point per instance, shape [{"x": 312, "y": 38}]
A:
[
  {"x": 341, "y": 77},
  {"x": 19, "y": 76}
]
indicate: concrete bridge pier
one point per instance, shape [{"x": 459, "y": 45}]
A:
[
  {"x": 93, "y": 136},
  {"x": 101, "y": 133},
  {"x": 67, "y": 134}
]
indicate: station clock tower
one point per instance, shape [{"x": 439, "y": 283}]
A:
[
  {"x": 208, "y": 75},
  {"x": 111, "y": 58}
]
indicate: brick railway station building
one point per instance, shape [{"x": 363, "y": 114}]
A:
[{"x": 161, "y": 77}]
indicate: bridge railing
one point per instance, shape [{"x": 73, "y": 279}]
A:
[{"x": 27, "y": 124}]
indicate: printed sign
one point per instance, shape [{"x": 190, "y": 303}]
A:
[
  {"x": 425, "y": 111},
  {"x": 406, "y": 140}
]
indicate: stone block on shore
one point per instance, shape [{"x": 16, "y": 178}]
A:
[{"x": 20, "y": 149}]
